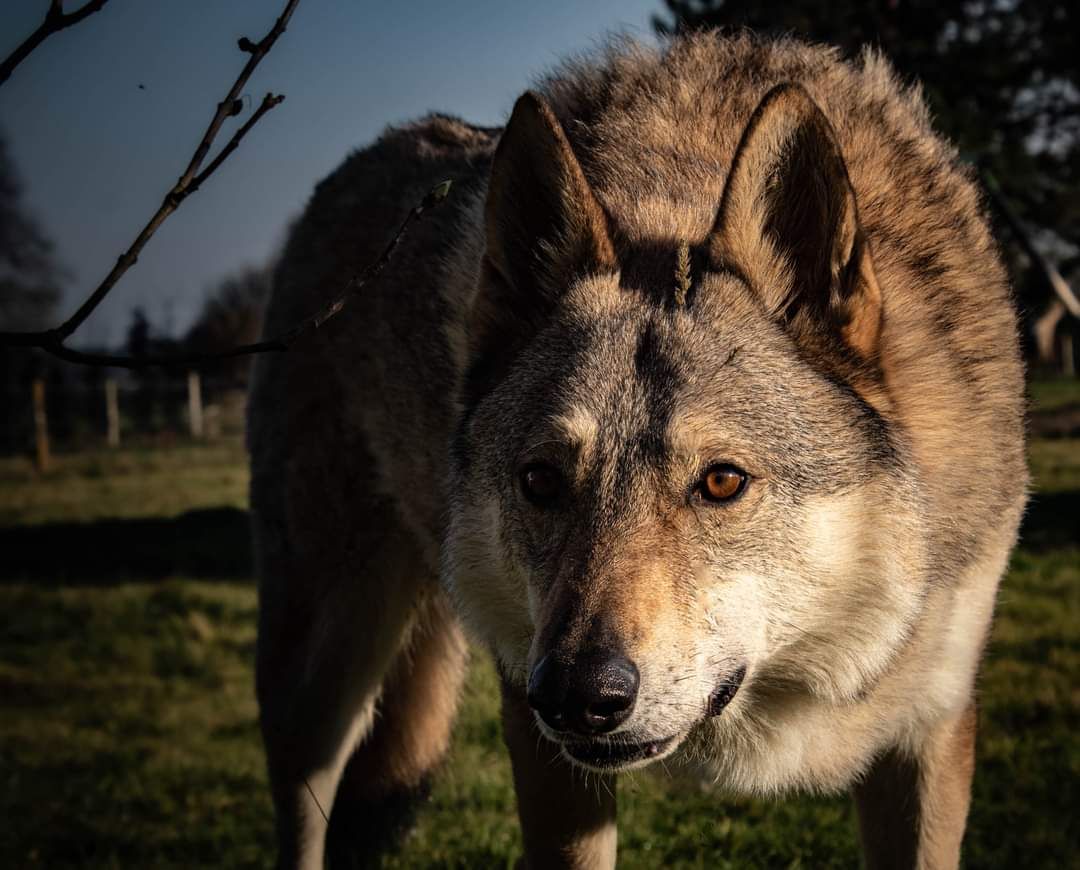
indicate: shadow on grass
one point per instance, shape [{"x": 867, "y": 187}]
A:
[
  {"x": 121, "y": 807},
  {"x": 216, "y": 544},
  {"x": 1052, "y": 521},
  {"x": 213, "y": 544}
]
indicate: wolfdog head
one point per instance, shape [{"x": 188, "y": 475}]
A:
[{"x": 677, "y": 497}]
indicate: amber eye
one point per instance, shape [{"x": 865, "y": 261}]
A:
[
  {"x": 722, "y": 483},
  {"x": 541, "y": 484}
]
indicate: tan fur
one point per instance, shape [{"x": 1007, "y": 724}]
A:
[{"x": 724, "y": 251}]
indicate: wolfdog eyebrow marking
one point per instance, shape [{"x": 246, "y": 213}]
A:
[
  {"x": 577, "y": 426},
  {"x": 682, "y": 274}
]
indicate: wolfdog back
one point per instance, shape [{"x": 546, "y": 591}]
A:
[{"x": 698, "y": 406}]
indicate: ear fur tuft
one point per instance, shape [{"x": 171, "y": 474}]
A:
[
  {"x": 545, "y": 226},
  {"x": 789, "y": 222}
]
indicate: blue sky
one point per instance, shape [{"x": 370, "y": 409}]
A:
[{"x": 96, "y": 152}]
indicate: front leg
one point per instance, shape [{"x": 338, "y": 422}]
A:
[
  {"x": 567, "y": 815},
  {"x": 913, "y": 807}
]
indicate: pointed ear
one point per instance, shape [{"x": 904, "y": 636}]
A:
[
  {"x": 544, "y": 225},
  {"x": 789, "y": 224}
]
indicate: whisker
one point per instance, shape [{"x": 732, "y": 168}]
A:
[{"x": 812, "y": 634}]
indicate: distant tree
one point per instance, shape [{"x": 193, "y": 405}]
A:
[
  {"x": 231, "y": 315},
  {"x": 29, "y": 275},
  {"x": 158, "y": 396},
  {"x": 29, "y": 293},
  {"x": 1001, "y": 77},
  {"x": 138, "y": 343},
  {"x": 138, "y": 333}
]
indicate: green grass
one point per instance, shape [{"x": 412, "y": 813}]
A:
[
  {"x": 1051, "y": 394},
  {"x": 128, "y": 732},
  {"x": 124, "y": 484}
]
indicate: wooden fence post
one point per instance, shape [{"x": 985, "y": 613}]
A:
[
  {"x": 1045, "y": 329},
  {"x": 112, "y": 414},
  {"x": 41, "y": 425},
  {"x": 195, "y": 411}
]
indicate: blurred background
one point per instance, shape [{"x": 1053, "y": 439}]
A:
[{"x": 128, "y": 735}]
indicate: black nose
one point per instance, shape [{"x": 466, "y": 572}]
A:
[{"x": 592, "y": 695}]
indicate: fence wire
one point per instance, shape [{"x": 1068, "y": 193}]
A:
[{"x": 85, "y": 407}]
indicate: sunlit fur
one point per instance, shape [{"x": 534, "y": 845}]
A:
[{"x": 880, "y": 425}]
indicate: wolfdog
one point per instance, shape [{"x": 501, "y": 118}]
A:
[{"x": 699, "y": 406}]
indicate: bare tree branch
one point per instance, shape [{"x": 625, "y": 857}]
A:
[
  {"x": 190, "y": 180},
  {"x": 52, "y": 342},
  {"x": 55, "y": 20},
  {"x": 183, "y": 184},
  {"x": 257, "y": 51}
]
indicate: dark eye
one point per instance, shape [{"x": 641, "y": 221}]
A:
[
  {"x": 722, "y": 483},
  {"x": 541, "y": 484}
]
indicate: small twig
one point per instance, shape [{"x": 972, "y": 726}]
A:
[
  {"x": 51, "y": 341},
  {"x": 55, "y": 21},
  {"x": 434, "y": 196},
  {"x": 257, "y": 51},
  {"x": 268, "y": 103},
  {"x": 682, "y": 275}
]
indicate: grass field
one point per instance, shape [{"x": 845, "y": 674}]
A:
[{"x": 128, "y": 732}]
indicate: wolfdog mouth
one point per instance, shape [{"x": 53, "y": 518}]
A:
[
  {"x": 610, "y": 754},
  {"x": 726, "y": 691}
]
